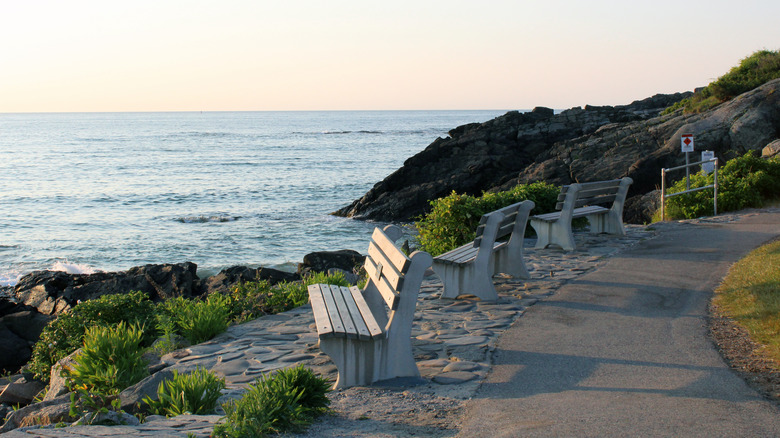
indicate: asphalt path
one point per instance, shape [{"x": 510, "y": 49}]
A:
[{"x": 624, "y": 351}]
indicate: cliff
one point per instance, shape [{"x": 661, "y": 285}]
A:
[{"x": 576, "y": 145}]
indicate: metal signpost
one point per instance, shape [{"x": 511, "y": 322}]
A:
[{"x": 708, "y": 164}]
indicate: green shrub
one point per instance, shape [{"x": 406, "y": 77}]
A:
[
  {"x": 191, "y": 393},
  {"x": 744, "y": 182},
  {"x": 66, "y": 333},
  {"x": 752, "y": 72},
  {"x": 453, "y": 220},
  {"x": 199, "y": 321},
  {"x": 109, "y": 361},
  {"x": 285, "y": 402}
]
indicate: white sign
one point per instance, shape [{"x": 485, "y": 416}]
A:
[
  {"x": 707, "y": 167},
  {"x": 687, "y": 142}
]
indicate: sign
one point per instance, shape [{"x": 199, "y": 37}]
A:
[
  {"x": 687, "y": 142},
  {"x": 707, "y": 167}
]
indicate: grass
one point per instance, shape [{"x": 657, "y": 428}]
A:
[{"x": 750, "y": 295}]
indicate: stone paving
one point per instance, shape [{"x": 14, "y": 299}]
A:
[{"x": 453, "y": 339}]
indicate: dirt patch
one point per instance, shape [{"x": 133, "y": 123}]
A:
[{"x": 744, "y": 356}]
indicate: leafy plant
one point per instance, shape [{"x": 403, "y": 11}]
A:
[
  {"x": 744, "y": 182},
  {"x": 110, "y": 359},
  {"x": 66, "y": 333},
  {"x": 194, "y": 393},
  {"x": 200, "y": 321},
  {"x": 286, "y": 401},
  {"x": 453, "y": 220}
]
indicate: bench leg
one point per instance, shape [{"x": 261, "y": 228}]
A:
[
  {"x": 358, "y": 362},
  {"x": 553, "y": 233},
  {"x": 510, "y": 264},
  {"x": 607, "y": 222},
  {"x": 466, "y": 279}
]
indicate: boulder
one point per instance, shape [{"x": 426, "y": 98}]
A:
[
  {"x": 230, "y": 277},
  {"x": 131, "y": 399},
  {"x": 58, "y": 385},
  {"x": 39, "y": 414},
  {"x": 771, "y": 150},
  {"x": 21, "y": 391},
  {"x": 321, "y": 261},
  {"x": 15, "y": 351},
  {"x": 27, "y": 324},
  {"x": 641, "y": 208}
]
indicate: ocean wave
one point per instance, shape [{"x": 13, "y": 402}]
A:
[
  {"x": 72, "y": 268},
  {"x": 204, "y": 219}
]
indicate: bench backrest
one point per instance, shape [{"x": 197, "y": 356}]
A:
[
  {"x": 394, "y": 279},
  {"x": 595, "y": 193},
  {"x": 507, "y": 223}
]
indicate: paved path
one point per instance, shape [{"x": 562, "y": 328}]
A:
[{"x": 624, "y": 350}]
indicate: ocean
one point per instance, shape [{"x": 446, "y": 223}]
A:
[{"x": 89, "y": 192}]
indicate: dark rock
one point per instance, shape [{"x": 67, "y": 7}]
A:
[
  {"x": 131, "y": 399},
  {"x": 39, "y": 414},
  {"x": 54, "y": 292},
  {"x": 229, "y": 277},
  {"x": 21, "y": 392},
  {"x": 27, "y": 324},
  {"x": 771, "y": 150},
  {"x": 639, "y": 209},
  {"x": 321, "y": 261},
  {"x": 14, "y": 350},
  {"x": 577, "y": 145}
]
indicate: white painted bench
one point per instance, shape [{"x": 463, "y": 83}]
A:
[
  {"x": 368, "y": 333},
  {"x": 469, "y": 269},
  {"x": 581, "y": 200}
]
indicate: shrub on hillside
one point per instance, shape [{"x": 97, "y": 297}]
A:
[
  {"x": 752, "y": 72},
  {"x": 744, "y": 182},
  {"x": 453, "y": 220},
  {"x": 193, "y": 393}
]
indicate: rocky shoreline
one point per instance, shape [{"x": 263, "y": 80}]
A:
[{"x": 40, "y": 296}]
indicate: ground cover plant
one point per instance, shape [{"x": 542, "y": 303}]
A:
[
  {"x": 752, "y": 72},
  {"x": 287, "y": 401},
  {"x": 194, "y": 393},
  {"x": 453, "y": 219},
  {"x": 748, "y": 181},
  {"x": 750, "y": 295}
]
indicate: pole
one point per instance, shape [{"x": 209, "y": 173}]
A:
[
  {"x": 715, "y": 189},
  {"x": 663, "y": 193},
  {"x": 687, "y": 173}
]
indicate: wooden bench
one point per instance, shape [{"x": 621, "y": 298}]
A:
[
  {"x": 581, "y": 200},
  {"x": 368, "y": 333},
  {"x": 469, "y": 269}
]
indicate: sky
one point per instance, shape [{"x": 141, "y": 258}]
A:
[{"x": 257, "y": 55}]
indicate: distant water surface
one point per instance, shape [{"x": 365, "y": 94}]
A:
[{"x": 83, "y": 192}]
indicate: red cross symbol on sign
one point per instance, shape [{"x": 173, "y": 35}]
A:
[{"x": 687, "y": 142}]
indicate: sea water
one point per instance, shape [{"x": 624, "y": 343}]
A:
[{"x": 87, "y": 192}]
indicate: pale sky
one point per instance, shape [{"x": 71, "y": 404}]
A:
[{"x": 243, "y": 55}]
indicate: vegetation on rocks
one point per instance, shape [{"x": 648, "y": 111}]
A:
[
  {"x": 193, "y": 393},
  {"x": 748, "y": 181},
  {"x": 287, "y": 401},
  {"x": 453, "y": 219},
  {"x": 752, "y": 72}
]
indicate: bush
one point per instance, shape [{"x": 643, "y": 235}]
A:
[
  {"x": 744, "y": 182},
  {"x": 752, "y": 72},
  {"x": 453, "y": 220},
  {"x": 109, "y": 361},
  {"x": 192, "y": 393},
  {"x": 66, "y": 333},
  {"x": 199, "y": 321},
  {"x": 286, "y": 401}
]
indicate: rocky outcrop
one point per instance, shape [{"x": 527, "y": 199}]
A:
[
  {"x": 577, "y": 145},
  {"x": 229, "y": 277},
  {"x": 53, "y": 292},
  {"x": 322, "y": 261}
]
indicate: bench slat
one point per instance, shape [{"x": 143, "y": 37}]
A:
[
  {"x": 371, "y": 325},
  {"x": 394, "y": 277},
  {"x": 577, "y": 212},
  {"x": 456, "y": 253},
  {"x": 399, "y": 259},
  {"x": 385, "y": 288},
  {"x": 358, "y": 319},
  {"x": 465, "y": 256},
  {"x": 347, "y": 319},
  {"x": 321, "y": 318},
  {"x": 580, "y": 202},
  {"x": 333, "y": 313}
]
